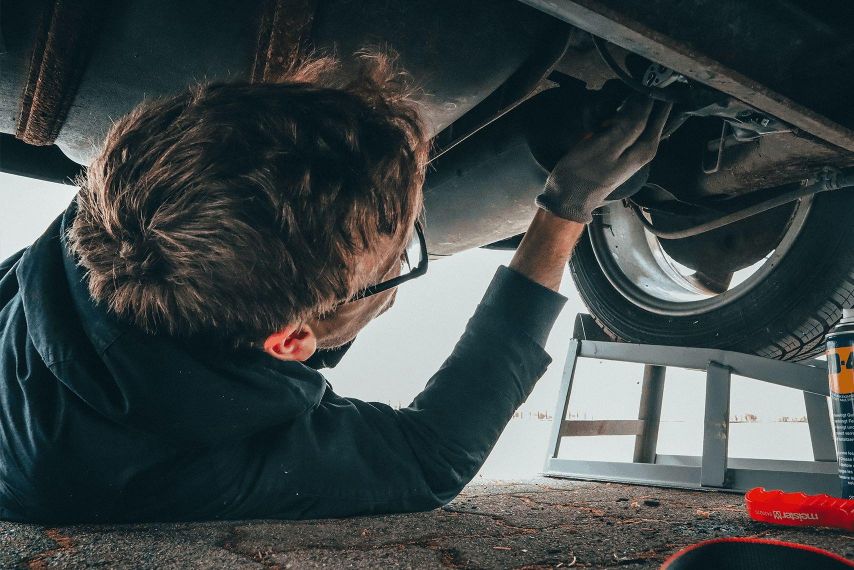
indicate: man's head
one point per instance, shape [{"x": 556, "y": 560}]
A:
[{"x": 245, "y": 214}]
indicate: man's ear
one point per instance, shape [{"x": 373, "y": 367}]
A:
[{"x": 292, "y": 343}]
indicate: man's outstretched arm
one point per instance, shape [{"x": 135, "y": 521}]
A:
[
  {"x": 348, "y": 457},
  {"x": 546, "y": 248}
]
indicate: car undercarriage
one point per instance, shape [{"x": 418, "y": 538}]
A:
[{"x": 736, "y": 236}]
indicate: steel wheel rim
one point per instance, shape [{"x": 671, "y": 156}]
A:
[{"x": 634, "y": 263}]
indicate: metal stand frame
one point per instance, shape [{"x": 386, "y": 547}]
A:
[{"x": 712, "y": 470}]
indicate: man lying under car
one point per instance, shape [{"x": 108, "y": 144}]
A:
[{"x": 159, "y": 343}]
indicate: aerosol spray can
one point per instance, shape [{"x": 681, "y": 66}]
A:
[{"x": 840, "y": 365}]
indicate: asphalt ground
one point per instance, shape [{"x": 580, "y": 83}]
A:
[{"x": 546, "y": 523}]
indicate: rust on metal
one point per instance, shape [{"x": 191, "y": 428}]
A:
[
  {"x": 768, "y": 162},
  {"x": 284, "y": 34},
  {"x": 63, "y": 44}
]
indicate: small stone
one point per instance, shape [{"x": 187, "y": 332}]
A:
[{"x": 651, "y": 502}]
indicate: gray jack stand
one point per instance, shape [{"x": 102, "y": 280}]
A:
[{"x": 712, "y": 470}]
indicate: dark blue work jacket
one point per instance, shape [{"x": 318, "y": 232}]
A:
[{"x": 101, "y": 422}]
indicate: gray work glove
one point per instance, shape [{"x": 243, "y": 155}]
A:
[{"x": 595, "y": 166}]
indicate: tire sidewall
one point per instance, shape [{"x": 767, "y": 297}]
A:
[{"x": 788, "y": 301}]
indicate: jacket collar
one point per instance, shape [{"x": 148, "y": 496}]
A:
[{"x": 152, "y": 383}]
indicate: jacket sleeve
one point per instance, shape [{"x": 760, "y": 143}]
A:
[{"x": 348, "y": 457}]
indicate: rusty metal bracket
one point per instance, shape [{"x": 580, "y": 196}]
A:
[{"x": 711, "y": 168}]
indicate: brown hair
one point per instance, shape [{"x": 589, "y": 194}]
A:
[{"x": 234, "y": 209}]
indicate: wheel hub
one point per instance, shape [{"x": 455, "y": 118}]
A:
[{"x": 639, "y": 266}]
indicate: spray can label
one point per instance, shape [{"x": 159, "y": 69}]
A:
[
  {"x": 841, "y": 367},
  {"x": 840, "y": 364}
]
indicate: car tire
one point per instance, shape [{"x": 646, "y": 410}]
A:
[{"x": 785, "y": 316}]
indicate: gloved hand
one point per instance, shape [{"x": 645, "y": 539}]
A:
[{"x": 600, "y": 162}]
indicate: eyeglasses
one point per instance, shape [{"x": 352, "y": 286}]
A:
[{"x": 413, "y": 264}]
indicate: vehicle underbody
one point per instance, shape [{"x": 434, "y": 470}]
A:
[{"x": 705, "y": 247}]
